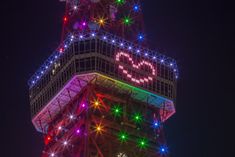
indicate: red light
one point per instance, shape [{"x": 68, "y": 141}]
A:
[
  {"x": 47, "y": 139},
  {"x": 61, "y": 50},
  {"x": 65, "y": 19}
]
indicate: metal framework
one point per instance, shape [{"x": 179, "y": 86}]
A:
[
  {"x": 83, "y": 128},
  {"x": 98, "y": 94}
]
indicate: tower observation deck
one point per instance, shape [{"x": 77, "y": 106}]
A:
[{"x": 101, "y": 93}]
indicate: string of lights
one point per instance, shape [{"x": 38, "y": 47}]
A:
[{"x": 109, "y": 38}]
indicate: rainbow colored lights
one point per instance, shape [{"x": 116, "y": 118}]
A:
[{"x": 136, "y": 66}]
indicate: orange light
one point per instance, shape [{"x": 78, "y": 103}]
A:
[
  {"x": 99, "y": 128},
  {"x": 101, "y": 21}
]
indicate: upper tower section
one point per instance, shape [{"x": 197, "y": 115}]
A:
[{"x": 119, "y": 17}]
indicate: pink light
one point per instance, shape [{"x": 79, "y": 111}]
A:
[
  {"x": 83, "y": 105},
  {"x": 78, "y": 131},
  {"x": 136, "y": 66},
  {"x": 84, "y": 23}
]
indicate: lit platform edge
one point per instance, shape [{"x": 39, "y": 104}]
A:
[
  {"x": 109, "y": 38},
  {"x": 78, "y": 82}
]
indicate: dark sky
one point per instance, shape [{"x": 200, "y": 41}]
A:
[{"x": 200, "y": 35}]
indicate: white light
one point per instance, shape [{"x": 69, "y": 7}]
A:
[
  {"x": 52, "y": 154},
  {"x": 75, "y": 7},
  {"x": 121, "y": 44},
  {"x": 146, "y": 54},
  {"x": 33, "y": 82},
  {"x": 174, "y": 70},
  {"x": 138, "y": 51},
  {"x": 42, "y": 72},
  {"x": 65, "y": 143},
  {"x": 65, "y": 46},
  {"x": 37, "y": 77},
  {"x": 113, "y": 41},
  {"x": 51, "y": 62},
  {"x": 71, "y": 39},
  {"x": 154, "y": 57},
  {"x": 56, "y": 56},
  {"x": 80, "y": 36},
  {"x": 171, "y": 64},
  {"x": 162, "y": 60},
  {"x": 59, "y": 127},
  {"x": 104, "y": 37},
  {"x": 93, "y": 34},
  {"x": 72, "y": 36},
  {"x": 129, "y": 48},
  {"x": 46, "y": 67},
  {"x": 71, "y": 116}
]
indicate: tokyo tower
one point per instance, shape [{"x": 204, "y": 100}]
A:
[{"x": 102, "y": 92}]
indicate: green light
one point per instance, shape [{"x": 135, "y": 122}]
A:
[
  {"x": 116, "y": 110},
  {"x": 142, "y": 143},
  {"x": 120, "y": 2},
  {"x": 123, "y": 136},
  {"x": 127, "y": 20},
  {"x": 137, "y": 118}
]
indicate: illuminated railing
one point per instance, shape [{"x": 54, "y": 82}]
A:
[{"x": 109, "y": 38}]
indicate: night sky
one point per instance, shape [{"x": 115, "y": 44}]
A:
[{"x": 200, "y": 35}]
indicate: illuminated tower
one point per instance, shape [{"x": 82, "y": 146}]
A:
[{"x": 101, "y": 94}]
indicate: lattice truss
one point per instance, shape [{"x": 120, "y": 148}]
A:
[
  {"x": 101, "y": 122},
  {"x": 119, "y": 17}
]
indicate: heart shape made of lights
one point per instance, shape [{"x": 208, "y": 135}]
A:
[{"x": 136, "y": 66}]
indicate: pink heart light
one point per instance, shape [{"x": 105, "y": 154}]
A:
[{"x": 136, "y": 66}]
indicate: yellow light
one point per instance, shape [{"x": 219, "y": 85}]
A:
[
  {"x": 97, "y": 103},
  {"x": 101, "y": 21},
  {"x": 99, "y": 128}
]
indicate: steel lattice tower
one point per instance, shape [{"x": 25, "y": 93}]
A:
[{"x": 100, "y": 93}]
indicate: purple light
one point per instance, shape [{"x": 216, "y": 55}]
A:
[
  {"x": 83, "y": 23},
  {"x": 83, "y": 105},
  {"x": 78, "y": 131}
]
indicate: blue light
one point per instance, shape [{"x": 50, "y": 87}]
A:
[
  {"x": 140, "y": 37},
  {"x": 156, "y": 124},
  {"x": 104, "y": 37},
  {"x": 163, "y": 150},
  {"x": 136, "y": 7}
]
